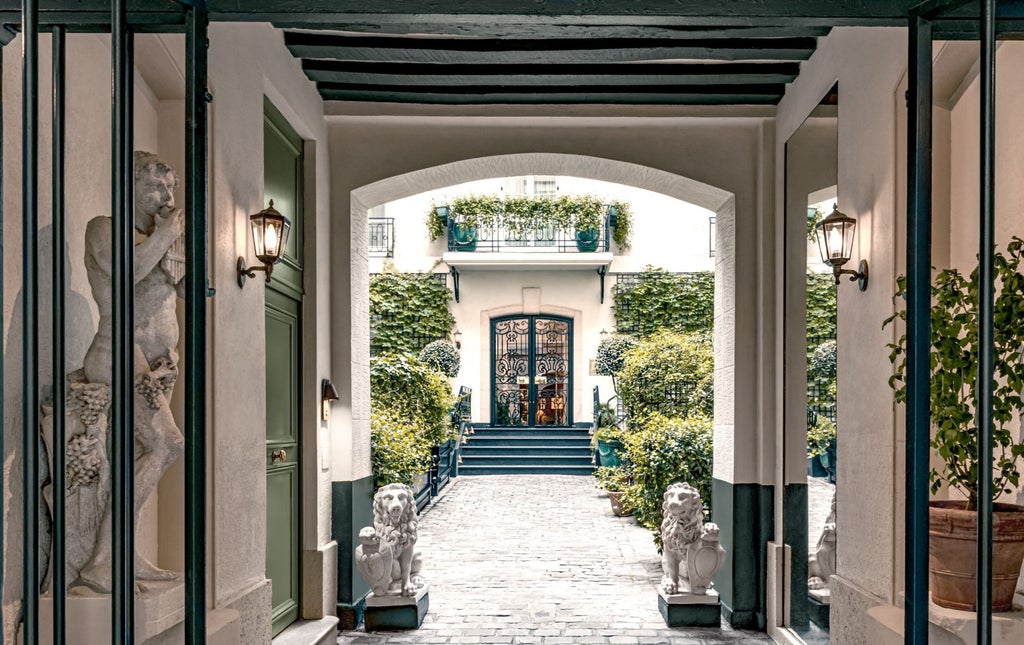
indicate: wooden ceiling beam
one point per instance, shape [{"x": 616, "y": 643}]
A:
[
  {"x": 425, "y": 74},
  {"x": 554, "y": 51},
  {"x": 636, "y": 96},
  {"x": 556, "y": 29}
]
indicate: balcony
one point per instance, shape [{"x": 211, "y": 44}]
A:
[
  {"x": 382, "y": 237},
  {"x": 496, "y": 246}
]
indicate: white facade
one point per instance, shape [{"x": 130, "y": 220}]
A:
[{"x": 667, "y": 233}]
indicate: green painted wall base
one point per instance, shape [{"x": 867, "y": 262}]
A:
[
  {"x": 351, "y": 510},
  {"x": 690, "y": 615},
  {"x": 397, "y": 616},
  {"x": 350, "y": 616},
  {"x": 743, "y": 513},
  {"x": 795, "y": 522},
  {"x": 818, "y": 613}
]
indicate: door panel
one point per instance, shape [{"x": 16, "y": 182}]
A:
[
  {"x": 531, "y": 370},
  {"x": 282, "y": 179}
]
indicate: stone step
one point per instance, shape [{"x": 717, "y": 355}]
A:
[
  {"x": 524, "y": 460},
  {"x": 531, "y": 432},
  {"x": 525, "y": 470},
  {"x": 511, "y": 440},
  {"x": 323, "y": 631},
  {"x": 474, "y": 449}
]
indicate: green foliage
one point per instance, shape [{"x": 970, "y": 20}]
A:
[
  {"x": 611, "y": 353},
  {"x": 612, "y": 478},
  {"x": 681, "y": 302},
  {"x": 955, "y": 349},
  {"x": 821, "y": 305},
  {"x": 823, "y": 362},
  {"x": 670, "y": 373},
  {"x": 662, "y": 450},
  {"x": 813, "y": 217},
  {"x": 608, "y": 433},
  {"x": 402, "y": 385},
  {"x": 405, "y": 309},
  {"x": 623, "y": 225},
  {"x": 441, "y": 356},
  {"x": 820, "y": 437},
  {"x": 518, "y": 215},
  {"x": 398, "y": 452}
]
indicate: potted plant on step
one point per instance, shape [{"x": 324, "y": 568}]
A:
[
  {"x": 955, "y": 350},
  {"x": 614, "y": 480},
  {"x": 821, "y": 448}
]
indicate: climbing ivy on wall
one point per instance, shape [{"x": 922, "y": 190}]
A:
[
  {"x": 408, "y": 311},
  {"x": 657, "y": 299}
]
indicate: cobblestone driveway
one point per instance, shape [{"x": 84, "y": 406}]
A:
[{"x": 539, "y": 559}]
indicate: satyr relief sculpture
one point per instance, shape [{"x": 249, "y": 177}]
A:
[
  {"x": 387, "y": 557},
  {"x": 159, "y": 269},
  {"x": 691, "y": 553}
]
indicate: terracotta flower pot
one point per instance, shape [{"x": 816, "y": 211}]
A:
[
  {"x": 953, "y": 554},
  {"x": 617, "y": 508}
]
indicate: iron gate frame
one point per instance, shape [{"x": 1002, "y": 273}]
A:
[{"x": 532, "y": 397}]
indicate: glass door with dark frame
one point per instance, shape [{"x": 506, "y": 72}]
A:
[{"x": 531, "y": 371}]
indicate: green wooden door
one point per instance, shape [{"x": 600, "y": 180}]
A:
[{"x": 283, "y": 183}]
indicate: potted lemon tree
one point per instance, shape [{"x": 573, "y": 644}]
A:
[{"x": 955, "y": 350}]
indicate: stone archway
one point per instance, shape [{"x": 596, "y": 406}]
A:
[{"x": 737, "y": 506}]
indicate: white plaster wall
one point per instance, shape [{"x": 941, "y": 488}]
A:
[
  {"x": 728, "y": 154},
  {"x": 248, "y": 62},
  {"x": 868, "y": 64}
]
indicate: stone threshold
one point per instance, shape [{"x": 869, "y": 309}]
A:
[{"x": 323, "y": 631}]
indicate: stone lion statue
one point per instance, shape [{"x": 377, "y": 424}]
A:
[
  {"x": 821, "y": 564},
  {"x": 394, "y": 531},
  {"x": 691, "y": 553}
]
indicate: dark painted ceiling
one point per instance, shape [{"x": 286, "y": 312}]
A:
[{"x": 675, "y": 52}]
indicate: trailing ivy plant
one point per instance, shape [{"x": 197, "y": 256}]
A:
[
  {"x": 661, "y": 450},
  {"x": 520, "y": 215},
  {"x": 955, "y": 350},
  {"x": 821, "y": 305},
  {"x": 407, "y": 311},
  {"x": 441, "y": 356}
]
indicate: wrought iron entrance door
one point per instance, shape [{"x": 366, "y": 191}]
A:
[{"x": 531, "y": 368}]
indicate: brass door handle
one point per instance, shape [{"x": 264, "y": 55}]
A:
[{"x": 278, "y": 455}]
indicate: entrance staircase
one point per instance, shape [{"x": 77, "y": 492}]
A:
[{"x": 527, "y": 451}]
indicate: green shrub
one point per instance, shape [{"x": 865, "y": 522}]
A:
[
  {"x": 820, "y": 436},
  {"x": 402, "y": 385},
  {"x": 612, "y": 478},
  {"x": 407, "y": 311},
  {"x": 441, "y": 356},
  {"x": 662, "y": 450},
  {"x": 821, "y": 305},
  {"x": 823, "y": 362},
  {"x": 670, "y": 373},
  {"x": 398, "y": 451},
  {"x": 611, "y": 353}
]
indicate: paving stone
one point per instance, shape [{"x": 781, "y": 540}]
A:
[{"x": 538, "y": 559}]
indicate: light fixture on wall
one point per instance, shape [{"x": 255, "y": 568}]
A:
[
  {"x": 604, "y": 333},
  {"x": 835, "y": 244},
  {"x": 270, "y": 238},
  {"x": 327, "y": 394},
  {"x": 457, "y": 337}
]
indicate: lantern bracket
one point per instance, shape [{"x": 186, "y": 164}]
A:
[{"x": 860, "y": 276}]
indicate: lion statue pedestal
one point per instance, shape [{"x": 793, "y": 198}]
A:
[
  {"x": 691, "y": 556},
  {"x": 389, "y": 561}
]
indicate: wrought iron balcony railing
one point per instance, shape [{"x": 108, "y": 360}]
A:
[
  {"x": 497, "y": 239},
  {"x": 382, "y": 237}
]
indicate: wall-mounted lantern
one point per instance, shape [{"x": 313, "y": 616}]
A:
[
  {"x": 327, "y": 395},
  {"x": 835, "y": 244},
  {"x": 270, "y": 238},
  {"x": 457, "y": 337}
]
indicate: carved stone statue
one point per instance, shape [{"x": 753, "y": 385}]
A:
[
  {"x": 391, "y": 539},
  {"x": 821, "y": 562},
  {"x": 159, "y": 269},
  {"x": 691, "y": 554},
  {"x": 374, "y": 559}
]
